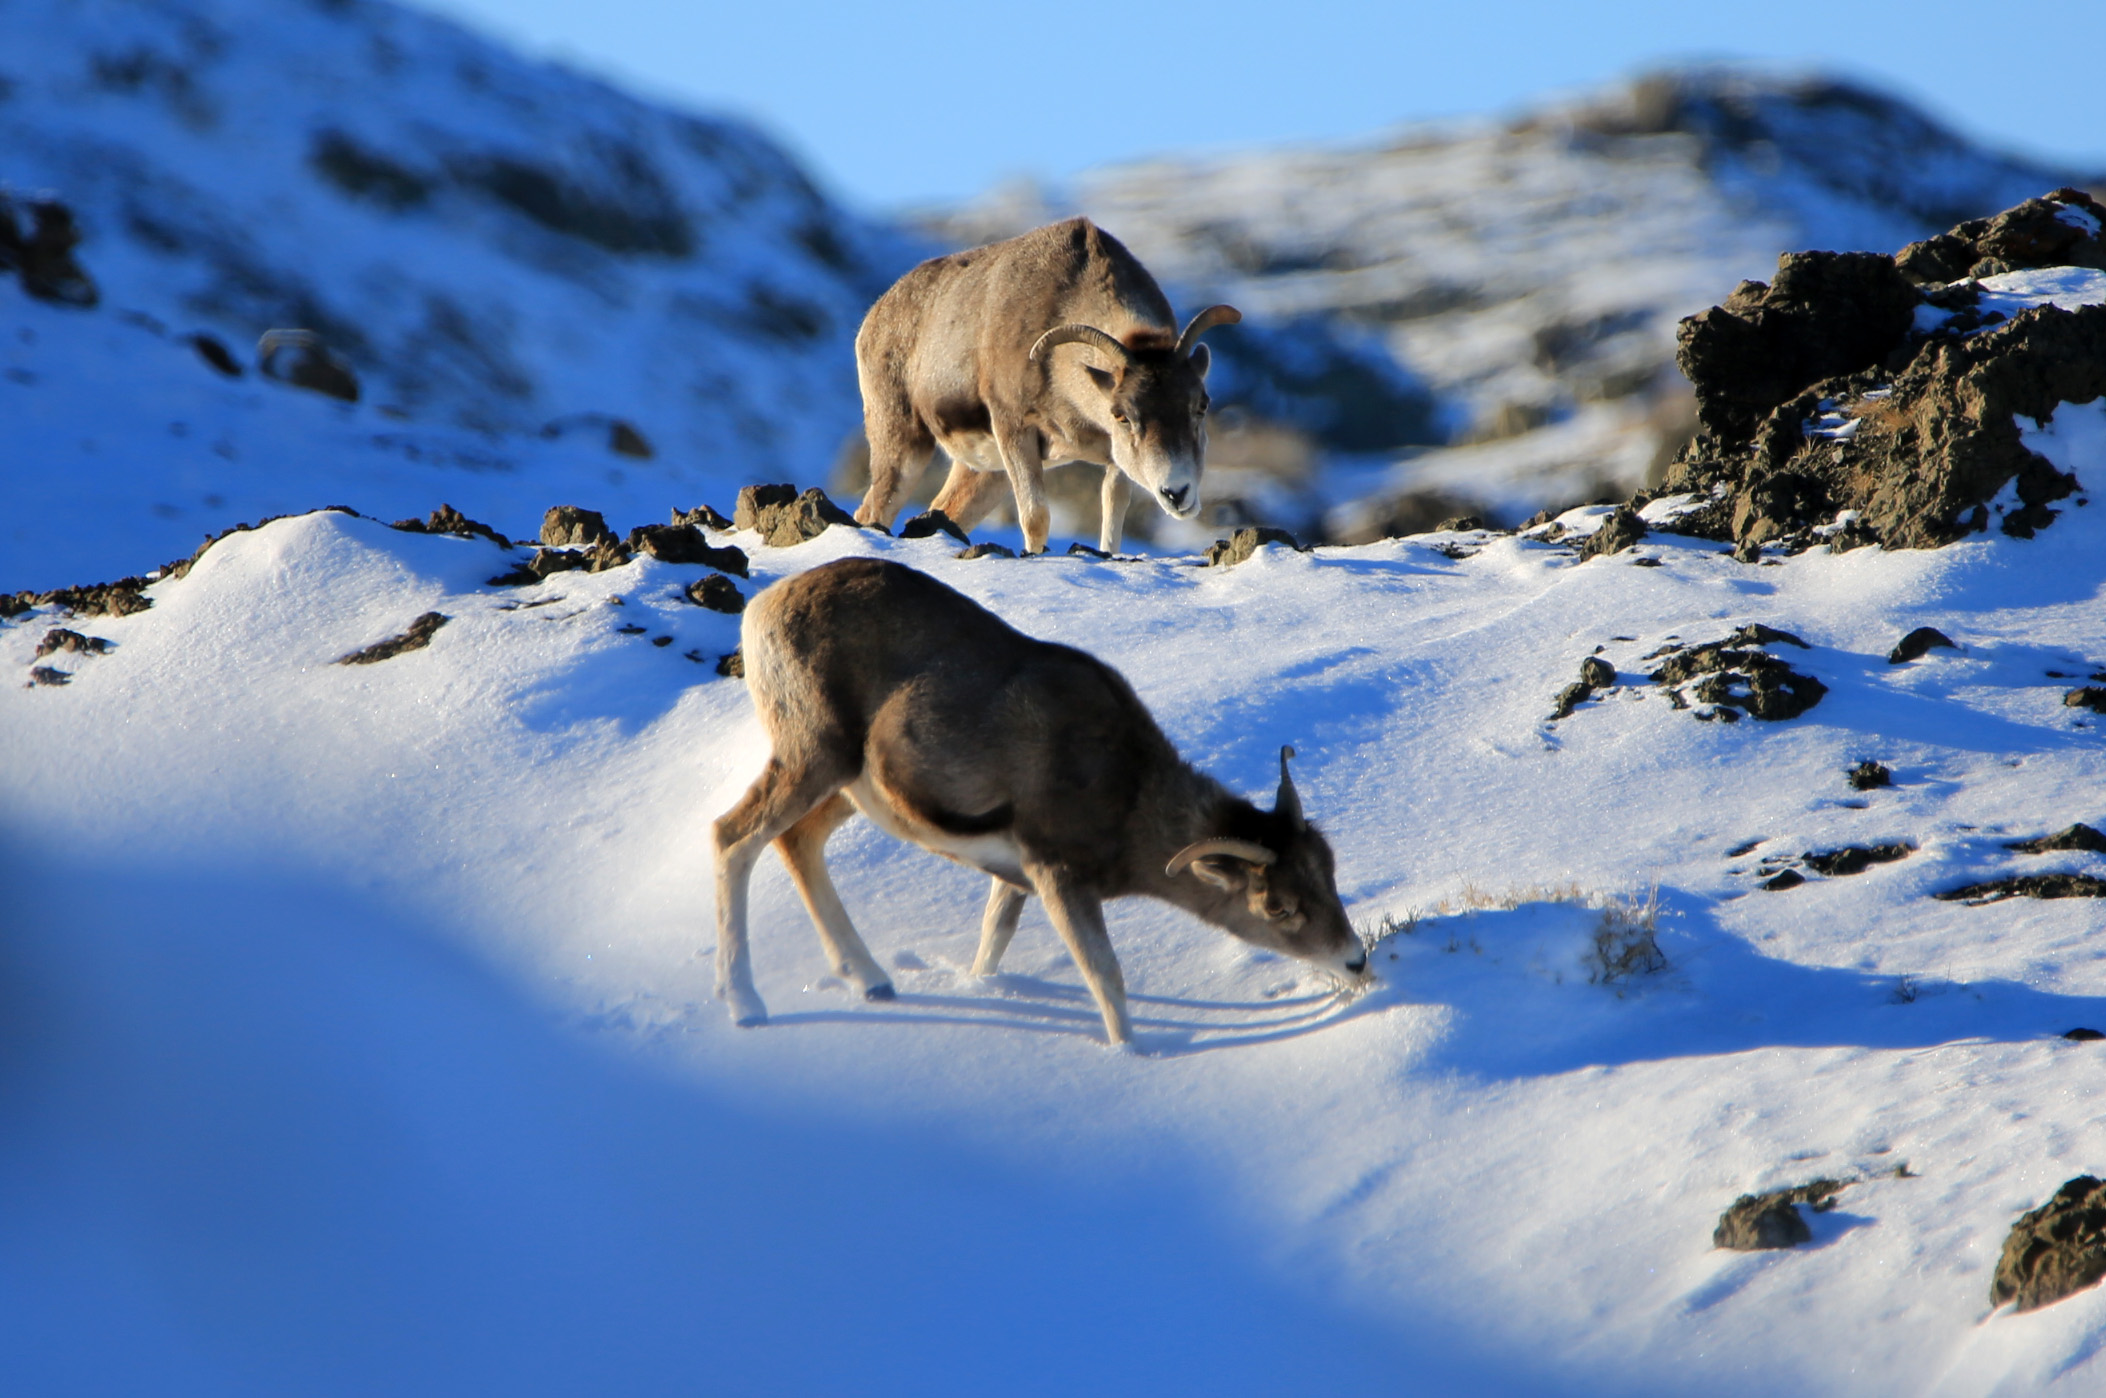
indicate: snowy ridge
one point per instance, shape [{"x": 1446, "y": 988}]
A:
[
  {"x": 495, "y": 245},
  {"x": 1530, "y": 272},
  {"x": 1503, "y": 1163}
]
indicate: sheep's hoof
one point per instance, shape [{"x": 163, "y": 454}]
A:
[{"x": 880, "y": 992}]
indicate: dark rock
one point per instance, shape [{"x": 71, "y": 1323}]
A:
[
  {"x": 932, "y": 522},
  {"x": 58, "y": 638},
  {"x": 299, "y": 357},
  {"x": 1596, "y": 672},
  {"x": 785, "y": 518},
  {"x": 1459, "y": 524},
  {"x": 2031, "y": 235},
  {"x": 1756, "y": 634},
  {"x": 1615, "y": 534},
  {"x": 417, "y": 637},
  {"x": 1227, "y": 553},
  {"x": 1938, "y": 441},
  {"x": 1855, "y": 859},
  {"x": 1825, "y": 313},
  {"x": 1869, "y": 774},
  {"x": 1790, "y": 878},
  {"x": 629, "y": 629},
  {"x": 1760, "y": 1221},
  {"x": 732, "y": 666},
  {"x": 683, "y": 543},
  {"x": 2091, "y": 697},
  {"x": 753, "y": 499},
  {"x": 624, "y": 440},
  {"x": 2028, "y": 886},
  {"x": 661, "y": 641},
  {"x": 987, "y": 550},
  {"x": 45, "y": 674},
  {"x": 1571, "y": 697},
  {"x": 2055, "y": 1250},
  {"x": 42, "y": 256},
  {"x": 567, "y": 525},
  {"x": 1918, "y": 643},
  {"x": 2083, "y": 1036},
  {"x": 210, "y": 349},
  {"x": 1078, "y": 549},
  {"x": 448, "y": 520},
  {"x": 702, "y": 517},
  {"x": 2077, "y": 837},
  {"x": 716, "y": 592}
]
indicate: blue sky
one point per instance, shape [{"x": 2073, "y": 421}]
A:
[{"x": 917, "y": 101}]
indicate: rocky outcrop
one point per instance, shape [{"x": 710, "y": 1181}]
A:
[
  {"x": 41, "y": 255},
  {"x": 416, "y": 637},
  {"x": 1757, "y": 1222},
  {"x": 1849, "y": 384},
  {"x": 2055, "y": 1250}
]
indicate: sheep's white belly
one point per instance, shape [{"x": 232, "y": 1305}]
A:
[
  {"x": 975, "y": 449},
  {"x": 993, "y": 853}
]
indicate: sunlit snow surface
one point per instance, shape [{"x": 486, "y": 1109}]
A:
[{"x": 364, "y": 1036}]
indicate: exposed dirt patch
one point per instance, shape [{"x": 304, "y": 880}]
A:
[
  {"x": 47, "y": 675},
  {"x": 2055, "y": 1250},
  {"x": 417, "y": 637},
  {"x": 1757, "y": 1222}
]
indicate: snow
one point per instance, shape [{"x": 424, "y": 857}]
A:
[
  {"x": 2067, "y": 287},
  {"x": 372, "y": 1043}
]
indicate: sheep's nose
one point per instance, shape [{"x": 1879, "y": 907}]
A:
[
  {"x": 1358, "y": 963},
  {"x": 1175, "y": 496}
]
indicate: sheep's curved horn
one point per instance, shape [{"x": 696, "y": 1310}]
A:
[
  {"x": 1289, "y": 801},
  {"x": 1245, "y": 850},
  {"x": 1203, "y": 322},
  {"x": 1079, "y": 334}
]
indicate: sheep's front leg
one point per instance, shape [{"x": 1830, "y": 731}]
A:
[
  {"x": 1022, "y": 459},
  {"x": 1078, "y": 916},
  {"x": 1111, "y": 528},
  {"x": 1005, "y": 903}
]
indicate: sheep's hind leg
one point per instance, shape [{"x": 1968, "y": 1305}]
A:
[
  {"x": 1005, "y": 903},
  {"x": 779, "y": 798},
  {"x": 968, "y": 495},
  {"x": 803, "y": 849}
]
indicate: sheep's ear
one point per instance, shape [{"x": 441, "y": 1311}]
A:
[
  {"x": 1202, "y": 360},
  {"x": 1103, "y": 378},
  {"x": 1230, "y": 875}
]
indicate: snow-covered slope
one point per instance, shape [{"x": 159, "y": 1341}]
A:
[
  {"x": 497, "y": 247},
  {"x": 1498, "y": 1171},
  {"x": 1530, "y": 272}
]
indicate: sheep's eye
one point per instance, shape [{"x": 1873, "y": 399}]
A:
[
  {"x": 1118, "y": 416},
  {"x": 1205, "y": 403}
]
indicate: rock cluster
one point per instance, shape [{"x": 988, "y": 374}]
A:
[
  {"x": 1864, "y": 383},
  {"x": 784, "y": 518}
]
